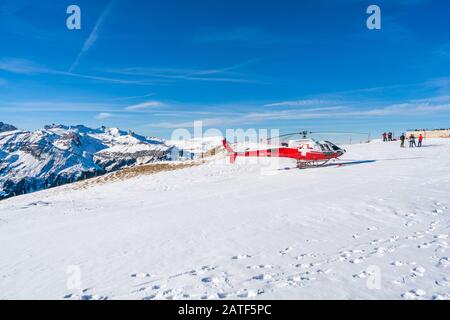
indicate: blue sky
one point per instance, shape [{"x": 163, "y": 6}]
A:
[{"x": 155, "y": 66}]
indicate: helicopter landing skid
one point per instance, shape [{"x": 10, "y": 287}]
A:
[{"x": 311, "y": 164}]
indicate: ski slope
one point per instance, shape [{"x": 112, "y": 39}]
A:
[{"x": 376, "y": 226}]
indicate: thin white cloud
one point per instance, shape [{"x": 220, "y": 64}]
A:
[
  {"x": 225, "y": 74},
  {"x": 90, "y": 41},
  {"x": 332, "y": 98},
  {"x": 299, "y": 103},
  {"x": 247, "y": 35},
  {"x": 256, "y": 117},
  {"x": 144, "y": 105},
  {"x": 57, "y": 106},
  {"x": 134, "y": 97},
  {"x": 411, "y": 108},
  {"x": 104, "y": 115},
  {"x": 21, "y": 66},
  {"x": 440, "y": 99}
]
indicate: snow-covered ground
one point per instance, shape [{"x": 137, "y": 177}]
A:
[{"x": 375, "y": 227}]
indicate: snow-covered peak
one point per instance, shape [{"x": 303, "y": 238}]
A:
[
  {"x": 59, "y": 154},
  {"x": 4, "y": 127}
]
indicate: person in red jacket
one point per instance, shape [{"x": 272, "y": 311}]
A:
[
  {"x": 420, "y": 140},
  {"x": 384, "y": 137}
]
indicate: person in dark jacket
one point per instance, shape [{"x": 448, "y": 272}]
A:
[
  {"x": 402, "y": 139},
  {"x": 390, "y": 136},
  {"x": 412, "y": 141}
]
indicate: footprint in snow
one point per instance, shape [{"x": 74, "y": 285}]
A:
[
  {"x": 345, "y": 254},
  {"x": 93, "y": 297},
  {"x": 414, "y": 294},
  {"x": 152, "y": 288},
  {"x": 169, "y": 294},
  {"x": 208, "y": 268},
  {"x": 85, "y": 296},
  {"x": 445, "y": 282},
  {"x": 398, "y": 283},
  {"x": 326, "y": 271},
  {"x": 217, "y": 280},
  {"x": 300, "y": 278},
  {"x": 286, "y": 251},
  {"x": 418, "y": 272},
  {"x": 213, "y": 296},
  {"x": 202, "y": 270},
  {"x": 424, "y": 245},
  {"x": 141, "y": 275},
  {"x": 305, "y": 265},
  {"x": 409, "y": 224},
  {"x": 306, "y": 255},
  {"x": 394, "y": 238},
  {"x": 250, "y": 293},
  {"x": 37, "y": 204},
  {"x": 361, "y": 275},
  {"x": 242, "y": 256},
  {"x": 415, "y": 237},
  {"x": 261, "y": 266},
  {"x": 443, "y": 262},
  {"x": 223, "y": 295},
  {"x": 439, "y": 296},
  {"x": 357, "y": 260},
  {"x": 442, "y": 244},
  {"x": 263, "y": 277},
  {"x": 380, "y": 251}
]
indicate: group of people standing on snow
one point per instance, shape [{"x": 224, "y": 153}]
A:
[
  {"x": 412, "y": 141},
  {"x": 387, "y": 137}
]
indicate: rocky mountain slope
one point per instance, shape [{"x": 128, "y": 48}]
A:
[{"x": 59, "y": 154}]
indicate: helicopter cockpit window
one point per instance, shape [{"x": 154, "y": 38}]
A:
[
  {"x": 325, "y": 147},
  {"x": 333, "y": 146}
]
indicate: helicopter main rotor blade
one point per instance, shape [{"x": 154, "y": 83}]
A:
[
  {"x": 284, "y": 135},
  {"x": 339, "y": 132},
  {"x": 305, "y": 133}
]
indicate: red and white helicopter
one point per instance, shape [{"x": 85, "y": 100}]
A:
[{"x": 307, "y": 151}]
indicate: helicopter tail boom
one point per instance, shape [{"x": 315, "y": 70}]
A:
[
  {"x": 233, "y": 155},
  {"x": 227, "y": 146}
]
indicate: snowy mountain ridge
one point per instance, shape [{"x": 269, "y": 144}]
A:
[
  {"x": 59, "y": 154},
  {"x": 6, "y": 127}
]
